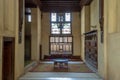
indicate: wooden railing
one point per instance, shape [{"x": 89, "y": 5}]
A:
[{"x": 91, "y": 49}]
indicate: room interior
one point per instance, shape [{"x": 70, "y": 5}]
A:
[{"x": 35, "y": 34}]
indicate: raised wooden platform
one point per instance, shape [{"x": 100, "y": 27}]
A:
[{"x": 62, "y": 56}]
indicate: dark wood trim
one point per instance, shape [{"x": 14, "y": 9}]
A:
[
  {"x": 32, "y": 3},
  {"x": 60, "y": 5},
  {"x": 21, "y": 16},
  {"x": 62, "y": 56},
  {"x": 72, "y": 44},
  {"x": 37, "y": 2},
  {"x": 40, "y": 52},
  {"x": 49, "y": 45},
  {"x": 101, "y": 18},
  {"x": 28, "y": 37},
  {"x": 11, "y": 42},
  {"x": 90, "y": 32}
]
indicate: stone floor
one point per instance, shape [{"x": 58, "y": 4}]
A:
[{"x": 59, "y": 76}]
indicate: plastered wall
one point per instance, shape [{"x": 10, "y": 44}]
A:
[
  {"x": 82, "y": 32},
  {"x": 114, "y": 56},
  {"x": 33, "y": 29},
  {"x": 108, "y": 52},
  {"x": 9, "y": 28},
  {"x": 94, "y": 13},
  {"x": 85, "y": 26},
  {"x": 89, "y": 22},
  {"x": 1, "y": 16},
  {"x": 76, "y": 30},
  {"x": 19, "y": 47},
  {"x": 34, "y": 39},
  {"x": 94, "y": 21},
  {"x": 112, "y": 38},
  {"x": 9, "y": 9},
  {"x": 35, "y": 33},
  {"x": 1, "y": 29},
  {"x": 46, "y": 33}
]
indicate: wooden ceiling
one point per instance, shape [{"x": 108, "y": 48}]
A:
[
  {"x": 60, "y": 5},
  {"x": 57, "y": 5}
]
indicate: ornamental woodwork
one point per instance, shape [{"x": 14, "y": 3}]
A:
[{"x": 91, "y": 49}]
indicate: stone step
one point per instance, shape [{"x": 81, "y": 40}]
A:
[
  {"x": 59, "y": 76},
  {"x": 60, "y": 79}
]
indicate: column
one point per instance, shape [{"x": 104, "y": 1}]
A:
[{"x": 35, "y": 33}]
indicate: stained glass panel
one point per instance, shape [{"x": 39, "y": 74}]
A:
[
  {"x": 60, "y": 23},
  {"x": 55, "y": 29},
  {"x": 66, "y": 28},
  {"x": 67, "y": 17},
  {"x": 53, "y": 17}
]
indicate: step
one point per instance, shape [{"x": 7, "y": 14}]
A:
[{"x": 59, "y": 76}]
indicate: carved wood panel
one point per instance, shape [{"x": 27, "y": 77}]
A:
[{"x": 91, "y": 50}]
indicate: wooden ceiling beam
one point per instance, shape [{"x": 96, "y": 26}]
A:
[
  {"x": 59, "y": 1},
  {"x": 60, "y": 9},
  {"x": 61, "y": 5},
  {"x": 54, "y": 5}
]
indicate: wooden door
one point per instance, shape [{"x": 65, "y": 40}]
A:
[{"x": 8, "y": 59}]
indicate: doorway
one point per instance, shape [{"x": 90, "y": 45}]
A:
[{"x": 8, "y": 58}]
